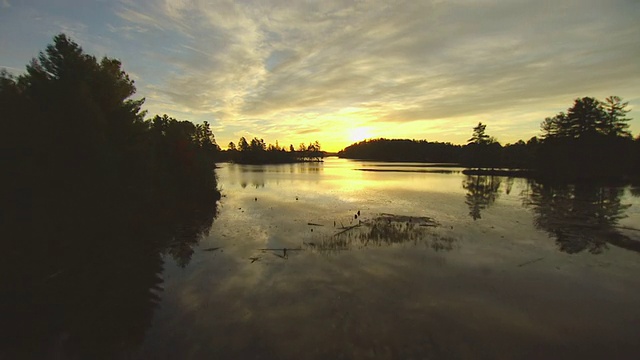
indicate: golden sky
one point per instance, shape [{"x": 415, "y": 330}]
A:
[{"x": 341, "y": 71}]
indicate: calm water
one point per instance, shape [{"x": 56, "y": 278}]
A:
[{"x": 437, "y": 265}]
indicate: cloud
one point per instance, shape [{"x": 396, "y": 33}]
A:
[
  {"x": 6, "y": 4},
  {"x": 410, "y": 61}
]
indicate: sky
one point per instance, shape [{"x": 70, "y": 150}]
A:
[{"x": 340, "y": 71}]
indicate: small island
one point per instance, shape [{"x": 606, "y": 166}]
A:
[{"x": 258, "y": 152}]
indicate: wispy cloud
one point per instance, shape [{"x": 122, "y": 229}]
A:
[
  {"x": 423, "y": 67},
  {"x": 415, "y": 61}
]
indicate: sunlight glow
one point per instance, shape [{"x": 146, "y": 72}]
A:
[{"x": 359, "y": 134}]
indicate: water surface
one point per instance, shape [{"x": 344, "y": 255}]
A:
[{"x": 404, "y": 261}]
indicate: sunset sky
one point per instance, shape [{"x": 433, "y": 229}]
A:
[{"x": 341, "y": 71}]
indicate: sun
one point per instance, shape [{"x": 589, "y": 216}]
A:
[{"x": 359, "y": 134}]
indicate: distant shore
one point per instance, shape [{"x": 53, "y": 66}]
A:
[{"x": 273, "y": 162}]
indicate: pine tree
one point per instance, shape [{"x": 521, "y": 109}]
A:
[
  {"x": 615, "y": 120},
  {"x": 479, "y": 137}
]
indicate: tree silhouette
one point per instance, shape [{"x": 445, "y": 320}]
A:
[
  {"x": 615, "y": 123},
  {"x": 402, "y": 150},
  {"x": 589, "y": 141},
  {"x": 97, "y": 194},
  {"x": 243, "y": 145},
  {"x": 482, "y": 150},
  {"x": 589, "y": 117},
  {"x": 258, "y": 152},
  {"x": 479, "y": 137}
]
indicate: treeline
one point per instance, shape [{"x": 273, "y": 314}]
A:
[
  {"x": 257, "y": 151},
  {"x": 517, "y": 156},
  {"x": 402, "y": 150},
  {"x": 590, "y": 140},
  {"x": 93, "y": 195}
]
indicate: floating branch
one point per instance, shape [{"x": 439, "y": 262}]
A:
[
  {"x": 530, "y": 262},
  {"x": 212, "y": 249}
]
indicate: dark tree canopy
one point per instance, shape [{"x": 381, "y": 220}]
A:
[
  {"x": 479, "y": 137},
  {"x": 402, "y": 150},
  {"x": 589, "y": 117},
  {"x": 615, "y": 122},
  {"x": 591, "y": 139},
  {"x": 482, "y": 150},
  {"x": 256, "y": 151},
  {"x": 97, "y": 195}
]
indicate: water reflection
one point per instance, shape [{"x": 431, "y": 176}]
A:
[
  {"x": 580, "y": 217},
  {"x": 482, "y": 191},
  {"x": 383, "y": 230},
  {"x": 90, "y": 291},
  {"x": 256, "y": 176},
  {"x": 293, "y": 168},
  {"x": 425, "y": 171},
  {"x": 254, "y": 184}
]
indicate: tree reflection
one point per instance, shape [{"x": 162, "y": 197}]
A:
[
  {"x": 581, "y": 217},
  {"x": 91, "y": 290},
  {"x": 482, "y": 191}
]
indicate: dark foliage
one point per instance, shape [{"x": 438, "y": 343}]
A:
[
  {"x": 589, "y": 141},
  {"x": 95, "y": 196},
  {"x": 403, "y": 150},
  {"x": 257, "y": 152}
]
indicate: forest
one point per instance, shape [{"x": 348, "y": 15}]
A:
[
  {"x": 257, "y": 151},
  {"x": 97, "y": 195},
  {"x": 589, "y": 141}
]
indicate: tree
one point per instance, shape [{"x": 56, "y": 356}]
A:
[
  {"x": 615, "y": 117},
  {"x": 243, "y": 145},
  {"x": 554, "y": 126},
  {"x": 589, "y": 140},
  {"x": 589, "y": 117},
  {"x": 257, "y": 145},
  {"x": 81, "y": 157},
  {"x": 479, "y": 137},
  {"x": 481, "y": 150},
  {"x": 313, "y": 151},
  {"x": 231, "y": 146},
  {"x": 585, "y": 118}
]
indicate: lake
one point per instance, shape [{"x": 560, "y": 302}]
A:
[{"x": 403, "y": 261}]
